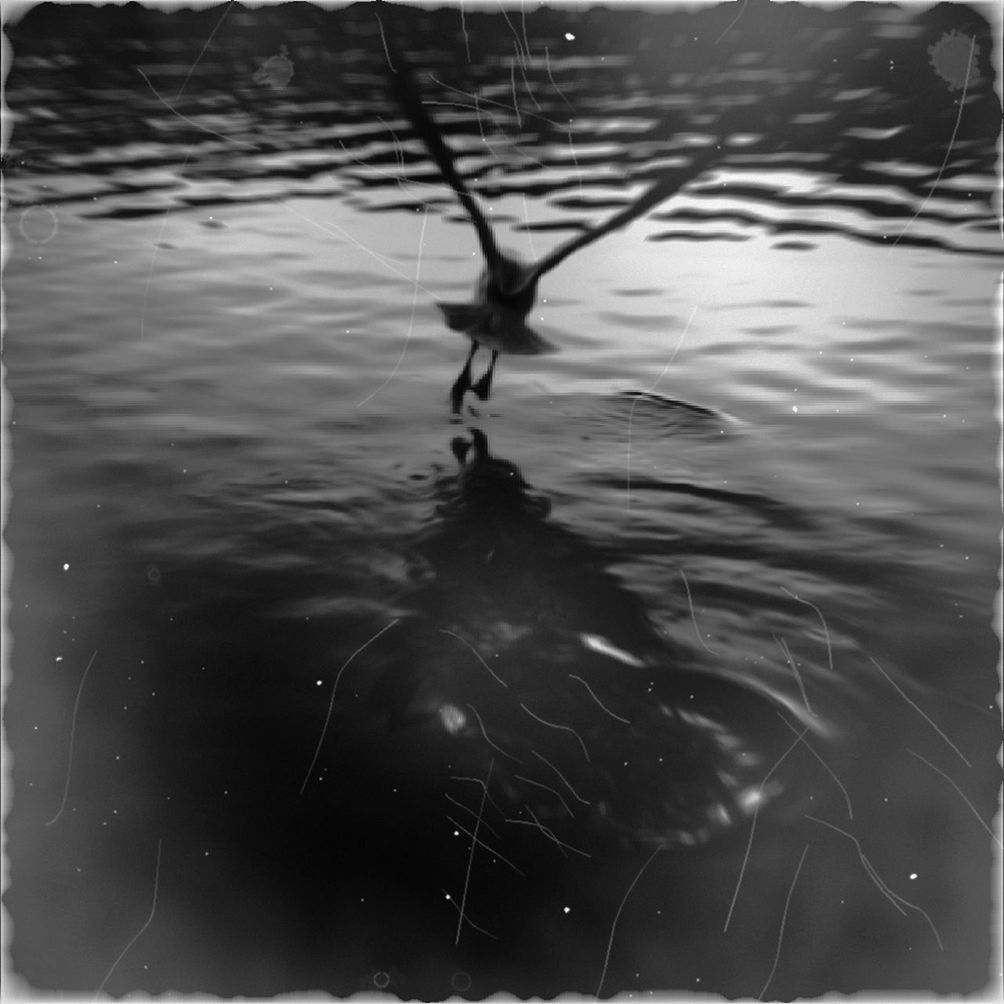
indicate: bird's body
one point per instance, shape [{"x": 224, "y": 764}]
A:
[
  {"x": 496, "y": 317},
  {"x": 495, "y": 327},
  {"x": 496, "y": 320}
]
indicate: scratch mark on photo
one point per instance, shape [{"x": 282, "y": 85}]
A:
[
  {"x": 562, "y": 776},
  {"x": 383, "y": 38},
  {"x": 597, "y": 700},
  {"x": 494, "y": 746},
  {"x": 732, "y": 23},
  {"x": 920, "y": 711},
  {"x": 403, "y": 182},
  {"x": 477, "y": 655},
  {"x": 634, "y": 404},
  {"x": 819, "y": 613},
  {"x": 484, "y": 787},
  {"x": 825, "y": 765},
  {"x": 202, "y": 51},
  {"x": 411, "y": 319},
  {"x": 526, "y": 38},
  {"x": 467, "y": 920},
  {"x": 526, "y": 81},
  {"x": 481, "y": 843},
  {"x": 529, "y": 231},
  {"x": 783, "y": 645},
  {"x": 515, "y": 102},
  {"x": 756, "y": 810},
  {"x": 331, "y": 703},
  {"x": 951, "y": 145},
  {"x": 463, "y": 28},
  {"x": 73, "y": 729},
  {"x": 547, "y": 63},
  {"x": 470, "y": 860},
  {"x": 492, "y": 101},
  {"x": 784, "y": 918},
  {"x": 866, "y": 864},
  {"x": 512, "y": 28},
  {"x": 938, "y": 770},
  {"x": 468, "y": 809},
  {"x": 613, "y": 927},
  {"x": 395, "y": 139},
  {"x": 192, "y": 122},
  {"x": 136, "y": 936},
  {"x": 893, "y": 897},
  {"x": 549, "y": 833},
  {"x": 690, "y": 603},
  {"x": 575, "y": 160},
  {"x": 564, "y": 728},
  {"x": 538, "y": 784},
  {"x": 333, "y": 230}
]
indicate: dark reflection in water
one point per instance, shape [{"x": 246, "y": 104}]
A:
[
  {"x": 526, "y": 657},
  {"x": 512, "y": 695}
]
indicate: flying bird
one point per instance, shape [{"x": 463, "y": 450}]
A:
[{"x": 495, "y": 319}]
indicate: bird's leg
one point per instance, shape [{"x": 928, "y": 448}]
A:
[
  {"x": 460, "y": 448},
  {"x": 463, "y": 382},
  {"x": 483, "y": 387}
]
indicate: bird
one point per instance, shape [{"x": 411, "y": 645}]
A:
[{"x": 506, "y": 291}]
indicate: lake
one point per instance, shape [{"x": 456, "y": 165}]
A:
[{"x": 671, "y": 668}]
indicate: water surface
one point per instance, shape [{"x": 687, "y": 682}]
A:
[{"x": 382, "y": 698}]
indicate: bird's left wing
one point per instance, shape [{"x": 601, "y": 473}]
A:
[{"x": 409, "y": 97}]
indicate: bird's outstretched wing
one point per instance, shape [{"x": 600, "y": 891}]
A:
[
  {"x": 408, "y": 95},
  {"x": 667, "y": 185}
]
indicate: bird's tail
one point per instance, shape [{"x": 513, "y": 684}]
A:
[{"x": 464, "y": 317}]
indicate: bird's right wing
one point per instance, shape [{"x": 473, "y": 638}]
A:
[
  {"x": 668, "y": 185},
  {"x": 408, "y": 95}
]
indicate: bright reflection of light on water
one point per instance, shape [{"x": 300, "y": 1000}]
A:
[{"x": 452, "y": 717}]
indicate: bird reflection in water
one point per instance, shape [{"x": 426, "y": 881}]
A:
[{"x": 530, "y": 662}]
